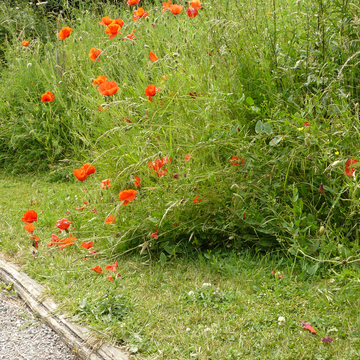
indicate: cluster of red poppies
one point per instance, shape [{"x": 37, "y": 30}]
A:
[{"x": 112, "y": 29}]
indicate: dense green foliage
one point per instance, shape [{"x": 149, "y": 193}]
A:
[{"x": 237, "y": 80}]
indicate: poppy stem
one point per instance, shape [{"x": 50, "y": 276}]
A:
[{"x": 60, "y": 57}]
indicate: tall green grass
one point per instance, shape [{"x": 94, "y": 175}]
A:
[{"x": 259, "y": 71}]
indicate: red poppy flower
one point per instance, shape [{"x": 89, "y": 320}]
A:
[
  {"x": 94, "y": 54},
  {"x": 157, "y": 164},
  {"x": 110, "y": 219},
  {"x": 100, "y": 108},
  {"x": 25, "y": 43},
  {"x": 197, "y": 199},
  {"x": 188, "y": 157},
  {"x": 47, "y": 97},
  {"x": 80, "y": 174},
  {"x": 65, "y": 32},
  {"x": 29, "y": 216},
  {"x": 127, "y": 195},
  {"x": 105, "y": 184},
  {"x": 140, "y": 12},
  {"x": 90, "y": 169},
  {"x": 167, "y": 5},
  {"x": 35, "y": 241},
  {"x": 307, "y": 326},
  {"x": 133, "y": 2},
  {"x": 113, "y": 30},
  {"x": 93, "y": 251},
  {"x": 137, "y": 181},
  {"x": 29, "y": 227},
  {"x": 110, "y": 278},
  {"x": 54, "y": 240},
  {"x": 108, "y": 88},
  {"x": 150, "y": 91},
  {"x": 98, "y": 269},
  {"x": 154, "y": 235},
  {"x": 119, "y": 22},
  {"x": 234, "y": 162},
  {"x": 106, "y": 21},
  {"x": 63, "y": 224},
  {"x": 99, "y": 80},
  {"x": 131, "y": 36},
  {"x": 192, "y": 12},
  {"x": 153, "y": 57},
  {"x": 306, "y": 124},
  {"x": 195, "y": 4},
  {"x": 176, "y": 9},
  {"x": 350, "y": 170},
  {"x": 63, "y": 243},
  {"x": 112, "y": 267},
  {"x": 87, "y": 245},
  {"x": 193, "y": 95}
]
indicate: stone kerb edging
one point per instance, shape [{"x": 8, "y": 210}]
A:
[{"x": 78, "y": 338}]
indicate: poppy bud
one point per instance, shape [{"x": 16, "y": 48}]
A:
[
  {"x": 307, "y": 142},
  {"x": 212, "y": 66},
  {"x": 194, "y": 35},
  {"x": 176, "y": 176},
  {"x": 192, "y": 77},
  {"x": 195, "y": 187},
  {"x": 147, "y": 46},
  {"x": 335, "y": 163},
  {"x": 321, "y": 230}
]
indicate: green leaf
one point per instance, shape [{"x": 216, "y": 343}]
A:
[
  {"x": 267, "y": 128},
  {"x": 275, "y": 140},
  {"x": 267, "y": 242},
  {"x": 234, "y": 129},
  {"x": 163, "y": 259},
  {"x": 313, "y": 269},
  {"x": 154, "y": 220},
  {"x": 259, "y": 127},
  {"x": 250, "y": 101},
  {"x": 169, "y": 249}
]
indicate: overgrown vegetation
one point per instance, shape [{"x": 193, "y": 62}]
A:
[{"x": 274, "y": 84}]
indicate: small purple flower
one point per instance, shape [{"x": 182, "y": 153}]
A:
[{"x": 327, "y": 339}]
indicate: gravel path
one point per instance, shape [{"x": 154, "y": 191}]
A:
[{"x": 23, "y": 337}]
